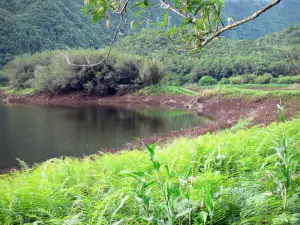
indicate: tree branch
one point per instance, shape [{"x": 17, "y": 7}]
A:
[
  {"x": 111, "y": 44},
  {"x": 238, "y": 23}
]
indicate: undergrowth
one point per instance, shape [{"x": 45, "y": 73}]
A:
[
  {"x": 232, "y": 92},
  {"x": 14, "y": 91},
  {"x": 250, "y": 176},
  {"x": 165, "y": 90}
]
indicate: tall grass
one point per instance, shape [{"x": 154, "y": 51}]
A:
[{"x": 225, "y": 178}]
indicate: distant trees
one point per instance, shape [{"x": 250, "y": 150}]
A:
[{"x": 220, "y": 59}]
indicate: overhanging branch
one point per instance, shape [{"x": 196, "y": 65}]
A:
[{"x": 238, "y": 23}]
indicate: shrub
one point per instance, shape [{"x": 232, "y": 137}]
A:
[
  {"x": 236, "y": 80},
  {"x": 224, "y": 81},
  {"x": 50, "y": 72},
  {"x": 207, "y": 81},
  {"x": 273, "y": 80},
  {"x": 296, "y": 79},
  {"x": 3, "y": 78},
  {"x": 151, "y": 73},
  {"x": 263, "y": 79},
  {"x": 248, "y": 78},
  {"x": 285, "y": 80}
]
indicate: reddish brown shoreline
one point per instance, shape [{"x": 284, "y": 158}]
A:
[{"x": 224, "y": 112}]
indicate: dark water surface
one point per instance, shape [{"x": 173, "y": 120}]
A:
[{"x": 38, "y": 133}]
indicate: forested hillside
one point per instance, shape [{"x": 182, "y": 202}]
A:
[
  {"x": 29, "y": 26},
  {"x": 278, "y": 54},
  {"x": 285, "y": 14}
]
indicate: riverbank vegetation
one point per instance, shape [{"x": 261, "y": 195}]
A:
[
  {"x": 265, "y": 60},
  {"x": 221, "y": 62},
  {"x": 249, "y": 176},
  {"x": 50, "y": 72}
]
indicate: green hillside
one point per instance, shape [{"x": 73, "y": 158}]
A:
[
  {"x": 29, "y": 26},
  {"x": 285, "y": 14},
  {"x": 222, "y": 58}
]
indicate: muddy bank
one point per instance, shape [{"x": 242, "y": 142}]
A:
[{"x": 223, "y": 112}]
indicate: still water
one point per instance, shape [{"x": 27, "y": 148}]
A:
[{"x": 38, "y": 133}]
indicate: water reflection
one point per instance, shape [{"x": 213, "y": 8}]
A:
[{"x": 37, "y": 133}]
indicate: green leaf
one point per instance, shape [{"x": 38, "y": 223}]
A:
[
  {"x": 172, "y": 30},
  {"x": 139, "y": 4},
  {"x": 151, "y": 150},
  {"x": 199, "y": 8},
  {"x": 168, "y": 170},
  {"x": 204, "y": 216},
  {"x": 156, "y": 165},
  {"x": 165, "y": 18}
]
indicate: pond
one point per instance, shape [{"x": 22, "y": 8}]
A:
[{"x": 37, "y": 133}]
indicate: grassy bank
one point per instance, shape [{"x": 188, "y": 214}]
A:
[
  {"x": 243, "y": 177},
  {"x": 165, "y": 90},
  {"x": 223, "y": 91}
]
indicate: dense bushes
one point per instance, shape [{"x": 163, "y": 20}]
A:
[
  {"x": 285, "y": 80},
  {"x": 221, "y": 58},
  {"x": 50, "y": 72},
  {"x": 3, "y": 79},
  {"x": 263, "y": 79},
  {"x": 207, "y": 80},
  {"x": 250, "y": 79}
]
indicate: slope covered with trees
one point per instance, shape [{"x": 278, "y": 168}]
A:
[
  {"x": 278, "y": 54},
  {"x": 285, "y": 14},
  {"x": 28, "y": 26}
]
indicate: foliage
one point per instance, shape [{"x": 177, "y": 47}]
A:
[
  {"x": 222, "y": 58},
  {"x": 3, "y": 79},
  {"x": 164, "y": 90},
  {"x": 199, "y": 22},
  {"x": 236, "y": 80},
  {"x": 207, "y": 81},
  {"x": 285, "y": 80},
  {"x": 296, "y": 79},
  {"x": 50, "y": 72},
  {"x": 263, "y": 79},
  {"x": 224, "y": 81},
  {"x": 204, "y": 180},
  {"x": 35, "y": 26},
  {"x": 243, "y": 91},
  {"x": 25, "y": 91}
]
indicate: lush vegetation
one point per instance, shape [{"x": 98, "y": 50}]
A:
[
  {"x": 35, "y": 26},
  {"x": 266, "y": 78},
  {"x": 276, "y": 19},
  {"x": 50, "y": 72},
  {"x": 242, "y": 91},
  {"x": 249, "y": 176},
  {"x": 221, "y": 59},
  {"x": 165, "y": 90}
]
